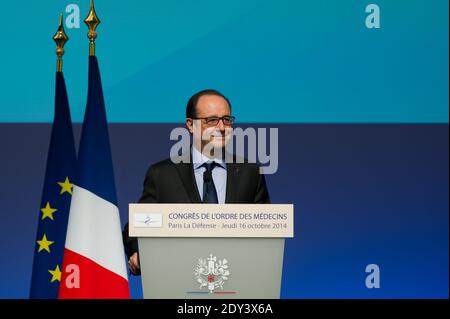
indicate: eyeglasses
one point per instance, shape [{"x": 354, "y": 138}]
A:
[{"x": 214, "y": 120}]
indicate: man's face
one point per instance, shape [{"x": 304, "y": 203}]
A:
[{"x": 208, "y": 107}]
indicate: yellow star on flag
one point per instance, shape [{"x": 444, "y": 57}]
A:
[
  {"x": 66, "y": 186},
  {"x": 44, "y": 244},
  {"x": 56, "y": 274},
  {"x": 47, "y": 211}
]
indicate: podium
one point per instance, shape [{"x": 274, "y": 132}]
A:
[{"x": 206, "y": 251}]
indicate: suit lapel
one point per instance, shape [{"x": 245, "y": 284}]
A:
[
  {"x": 186, "y": 172},
  {"x": 232, "y": 170}
]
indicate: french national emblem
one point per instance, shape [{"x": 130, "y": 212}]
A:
[{"x": 211, "y": 273}]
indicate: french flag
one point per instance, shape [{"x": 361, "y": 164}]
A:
[{"x": 94, "y": 259}]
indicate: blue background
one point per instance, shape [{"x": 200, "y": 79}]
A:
[
  {"x": 362, "y": 116},
  {"x": 278, "y": 61},
  {"x": 362, "y": 194}
]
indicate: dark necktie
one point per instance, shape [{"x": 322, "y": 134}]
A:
[{"x": 209, "y": 190}]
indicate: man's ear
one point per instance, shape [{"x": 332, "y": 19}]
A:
[{"x": 190, "y": 125}]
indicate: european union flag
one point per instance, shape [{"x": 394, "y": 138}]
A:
[{"x": 55, "y": 202}]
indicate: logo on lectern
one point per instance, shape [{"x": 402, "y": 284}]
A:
[{"x": 211, "y": 273}]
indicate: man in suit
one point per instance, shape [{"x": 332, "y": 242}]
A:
[{"x": 206, "y": 177}]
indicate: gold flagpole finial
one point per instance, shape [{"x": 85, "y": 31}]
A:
[
  {"x": 92, "y": 21},
  {"x": 60, "y": 39}
]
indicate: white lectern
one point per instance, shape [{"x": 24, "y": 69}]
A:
[{"x": 211, "y": 250}]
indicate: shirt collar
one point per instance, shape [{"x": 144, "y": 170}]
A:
[{"x": 198, "y": 159}]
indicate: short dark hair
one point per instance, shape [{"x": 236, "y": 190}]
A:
[{"x": 191, "y": 107}]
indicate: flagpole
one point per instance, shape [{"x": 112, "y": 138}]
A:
[
  {"x": 60, "y": 39},
  {"x": 92, "y": 21},
  {"x": 56, "y": 195},
  {"x": 94, "y": 203}
]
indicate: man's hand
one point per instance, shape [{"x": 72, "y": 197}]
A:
[{"x": 133, "y": 263}]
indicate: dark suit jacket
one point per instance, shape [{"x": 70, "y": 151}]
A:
[{"x": 167, "y": 182}]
